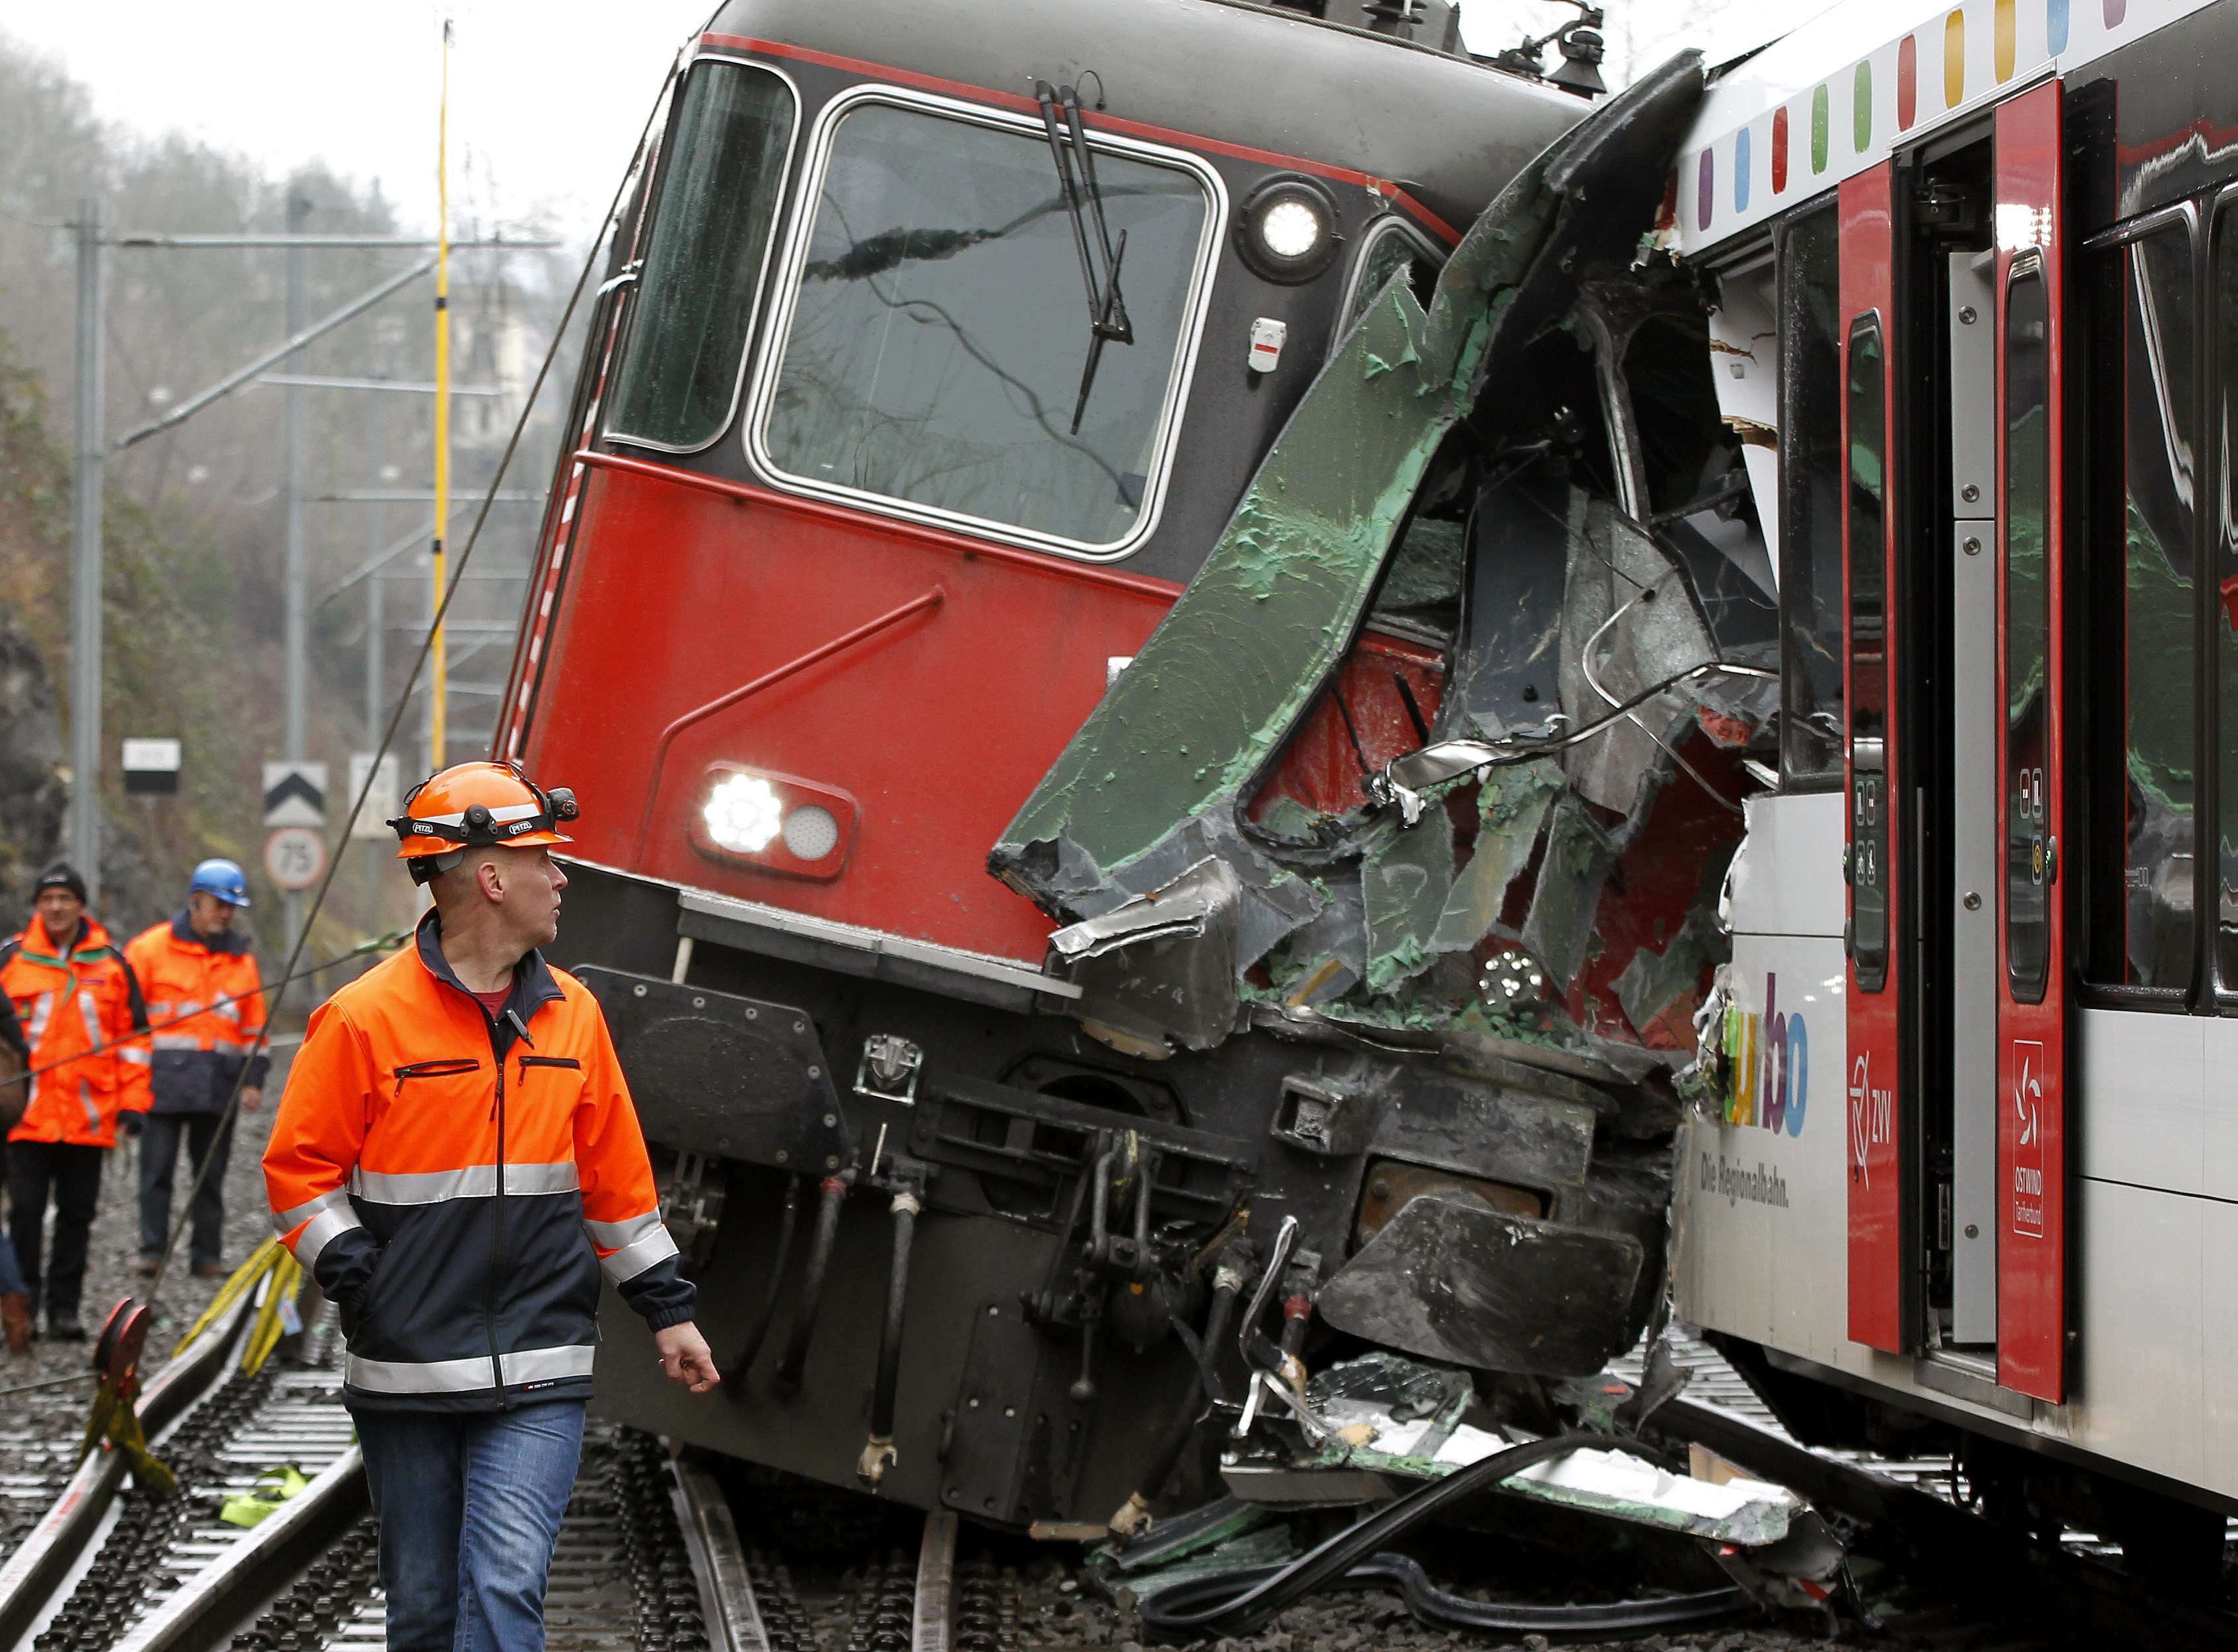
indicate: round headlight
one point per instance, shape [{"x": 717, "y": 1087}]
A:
[
  {"x": 742, "y": 814},
  {"x": 1291, "y": 229},
  {"x": 1288, "y": 230},
  {"x": 811, "y": 831}
]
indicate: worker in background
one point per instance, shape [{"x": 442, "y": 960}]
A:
[
  {"x": 207, "y": 1017},
  {"x": 81, "y": 1006},
  {"x": 460, "y": 1074},
  {"x": 14, "y": 1295}
]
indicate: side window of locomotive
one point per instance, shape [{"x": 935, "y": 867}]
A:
[
  {"x": 1811, "y": 501},
  {"x": 1391, "y": 245},
  {"x": 711, "y": 235},
  {"x": 937, "y": 350},
  {"x": 2143, "y": 726},
  {"x": 1868, "y": 510}
]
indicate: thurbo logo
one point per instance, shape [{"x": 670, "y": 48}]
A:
[{"x": 1769, "y": 1056}]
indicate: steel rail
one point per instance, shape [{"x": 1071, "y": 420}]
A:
[
  {"x": 932, "y": 1617},
  {"x": 221, "y": 1599},
  {"x": 719, "y": 1563},
  {"x": 48, "y": 1555}
]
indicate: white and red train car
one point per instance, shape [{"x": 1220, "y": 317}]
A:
[{"x": 1974, "y": 1166}]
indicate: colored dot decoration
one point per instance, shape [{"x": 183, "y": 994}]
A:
[{"x": 2004, "y": 62}]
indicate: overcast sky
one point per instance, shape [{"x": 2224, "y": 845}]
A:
[{"x": 547, "y": 98}]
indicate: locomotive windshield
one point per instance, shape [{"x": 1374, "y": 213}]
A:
[
  {"x": 717, "y": 200},
  {"x": 933, "y": 351}
]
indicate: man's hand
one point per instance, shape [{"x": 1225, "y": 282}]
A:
[
  {"x": 686, "y": 1357},
  {"x": 252, "y": 1098},
  {"x": 129, "y": 1122}
]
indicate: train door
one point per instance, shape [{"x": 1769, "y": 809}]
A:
[
  {"x": 1881, "y": 1301},
  {"x": 2032, "y": 984},
  {"x": 1950, "y": 291}
]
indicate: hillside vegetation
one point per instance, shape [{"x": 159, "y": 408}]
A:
[{"x": 195, "y": 524}]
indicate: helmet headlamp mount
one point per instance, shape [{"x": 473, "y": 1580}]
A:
[{"x": 478, "y": 806}]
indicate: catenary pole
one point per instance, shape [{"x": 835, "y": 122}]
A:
[
  {"x": 376, "y": 447},
  {"x": 437, "y": 662},
  {"x": 297, "y": 578},
  {"x": 85, "y": 560}
]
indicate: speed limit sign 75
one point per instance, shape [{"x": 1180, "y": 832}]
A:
[{"x": 295, "y": 856}]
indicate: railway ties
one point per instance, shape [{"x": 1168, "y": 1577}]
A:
[{"x": 648, "y": 1559}]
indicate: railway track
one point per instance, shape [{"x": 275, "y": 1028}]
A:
[{"x": 649, "y": 1554}]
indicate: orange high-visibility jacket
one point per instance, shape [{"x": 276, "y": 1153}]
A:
[
  {"x": 80, "y": 1007},
  {"x": 457, "y": 1183},
  {"x": 205, "y": 1013}
]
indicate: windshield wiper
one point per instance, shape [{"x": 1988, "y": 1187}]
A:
[{"x": 1107, "y": 310}]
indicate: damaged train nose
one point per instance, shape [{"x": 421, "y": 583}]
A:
[{"x": 1498, "y": 958}]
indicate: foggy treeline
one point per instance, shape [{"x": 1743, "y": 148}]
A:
[{"x": 194, "y": 517}]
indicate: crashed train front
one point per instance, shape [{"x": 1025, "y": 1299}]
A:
[{"x": 1351, "y": 723}]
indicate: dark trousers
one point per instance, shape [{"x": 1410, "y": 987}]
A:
[
  {"x": 159, "y": 1158},
  {"x": 72, "y": 1173}
]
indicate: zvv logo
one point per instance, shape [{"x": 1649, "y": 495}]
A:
[{"x": 1872, "y": 1118}]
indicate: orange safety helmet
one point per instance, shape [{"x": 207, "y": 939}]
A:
[{"x": 478, "y": 806}]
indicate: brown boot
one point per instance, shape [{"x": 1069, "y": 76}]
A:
[{"x": 16, "y": 1321}]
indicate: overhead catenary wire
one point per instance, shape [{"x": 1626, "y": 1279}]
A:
[
  {"x": 394, "y": 938},
  {"x": 419, "y": 661}
]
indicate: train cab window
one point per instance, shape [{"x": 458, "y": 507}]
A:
[
  {"x": 1390, "y": 245},
  {"x": 936, "y": 347},
  {"x": 2027, "y": 633},
  {"x": 703, "y": 266},
  {"x": 2143, "y": 592},
  {"x": 1867, "y": 475},
  {"x": 1811, "y": 501}
]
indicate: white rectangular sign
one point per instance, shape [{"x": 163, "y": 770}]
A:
[{"x": 381, "y": 805}]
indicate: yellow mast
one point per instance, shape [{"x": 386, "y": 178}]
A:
[{"x": 436, "y": 718}]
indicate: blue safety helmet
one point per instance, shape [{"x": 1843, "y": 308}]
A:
[{"x": 224, "y": 879}]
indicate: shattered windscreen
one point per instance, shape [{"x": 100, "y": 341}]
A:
[{"x": 935, "y": 344}]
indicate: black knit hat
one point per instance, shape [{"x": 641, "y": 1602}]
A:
[{"x": 61, "y": 875}]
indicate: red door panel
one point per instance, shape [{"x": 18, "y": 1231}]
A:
[
  {"x": 1876, "y": 778},
  {"x": 2031, "y": 988}
]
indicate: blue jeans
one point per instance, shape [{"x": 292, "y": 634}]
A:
[
  {"x": 11, "y": 1276},
  {"x": 469, "y": 1508}
]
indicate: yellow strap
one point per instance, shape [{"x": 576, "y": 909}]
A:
[
  {"x": 264, "y": 1336},
  {"x": 118, "y": 1424},
  {"x": 260, "y": 1261}
]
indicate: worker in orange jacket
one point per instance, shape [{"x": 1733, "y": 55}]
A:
[
  {"x": 81, "y": 1007},
  {"x": 207, "y": 1020},
  {"x": 457, "y": 1161}
]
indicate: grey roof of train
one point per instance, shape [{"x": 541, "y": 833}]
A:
[{"x": 1449, "y": 130}]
